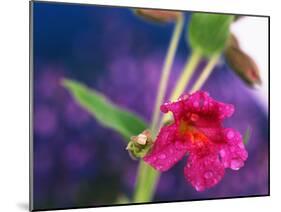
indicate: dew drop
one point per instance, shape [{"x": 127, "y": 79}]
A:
[
  {"x": 185, "y": 97},
  {"x": 194, "y": 117},
  {"x": 206, "y": 162},
  {"x": 225, "y": 163},
  {"x": 162, "y": 156},
  {"x": 222, "y": 153},
  {"x": 235, "y": 164},
  {"x": 196, "y": 104},
  {"x": 230, "y": 134},
  {"x": 215, "y": 180},
  {"x": 241, "y": 145},
  {"x": 208, "y": 174},
  {"x": 159, "y": 167},
  {"x": 198, "y": 187}
]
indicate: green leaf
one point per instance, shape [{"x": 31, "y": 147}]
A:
[
  {"x": 108, "y": 114},
  {"x": 208, "y": 33},
  {"x": 247, "y": 136}
]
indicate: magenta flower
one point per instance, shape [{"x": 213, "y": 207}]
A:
[{"x": 198, "y": 132}]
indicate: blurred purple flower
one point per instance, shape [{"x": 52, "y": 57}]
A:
[
  {"x": 45, "y": 121},
  {"x": 75, "y": 115}
]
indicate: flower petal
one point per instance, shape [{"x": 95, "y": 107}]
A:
[
  {"x": 167, "y": 149},
  {"x": 233, "y": 153},
  {"x": 203, "y": 172},
  {"x": 199, "y": 107}
]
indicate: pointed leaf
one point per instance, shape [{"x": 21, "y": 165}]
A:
[{"x": 108, "y": 114}]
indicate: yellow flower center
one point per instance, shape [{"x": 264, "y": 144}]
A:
[{"x": 195, "y": 135}]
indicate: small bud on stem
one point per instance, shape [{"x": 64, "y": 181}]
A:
[{"x": 140, "y": 145}]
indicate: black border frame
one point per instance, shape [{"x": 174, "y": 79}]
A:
[{"x": 31, "y": 89}]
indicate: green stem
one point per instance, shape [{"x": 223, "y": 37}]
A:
[
  {"x": 146, "y": 183},
  {"x": 205, "y": 73},
  {"x": 147, "y": 177},
  {"x": 186, "y": 75},
  {"x": 166, "y": 70},
  {"x": 184, "y": 79}
]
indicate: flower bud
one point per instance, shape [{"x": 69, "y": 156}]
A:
[
  {"x": 241, "y": 63},
  {"x": 140, "y": 145},
  {"x": 162, "y": 16}
]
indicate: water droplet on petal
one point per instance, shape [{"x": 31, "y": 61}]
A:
[
  {"x": 222, "y": 153},
  {"x": 185, "y": 97},
  {"x": 194, "y": 117},
  {"x": 206, "y": 162},
  {"x": 153, "y": 159},
  {"x": 208, "y": 174},
  {"x": 230, "y": 134},
  {"x": 241, "y": 145},
  {"x": 198, "y": 187},
  {"x": 196, "y": 104},
  {"x": 215, "y": 180},
  {"x": 236, "y": 164},
  {"x": 159, "y": 167},
  {"x": 225, "y": 163},
  {"x": 162, "y": 156}
]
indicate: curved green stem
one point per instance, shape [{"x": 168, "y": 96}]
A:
[
  {"x": 166, "y": 70},
  {"x": 146, "y": 183},
  {"x": 184, "y": 79},
  {"x": 186, "y": 75},
  {"x": 147, "y": 177},
  {"x": 205, "y": 73}
]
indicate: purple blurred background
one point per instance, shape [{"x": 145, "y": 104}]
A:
[{"x": 77, "y": 162}]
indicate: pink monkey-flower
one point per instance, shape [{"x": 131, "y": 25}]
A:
[{"x": 197, "y": 131}]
